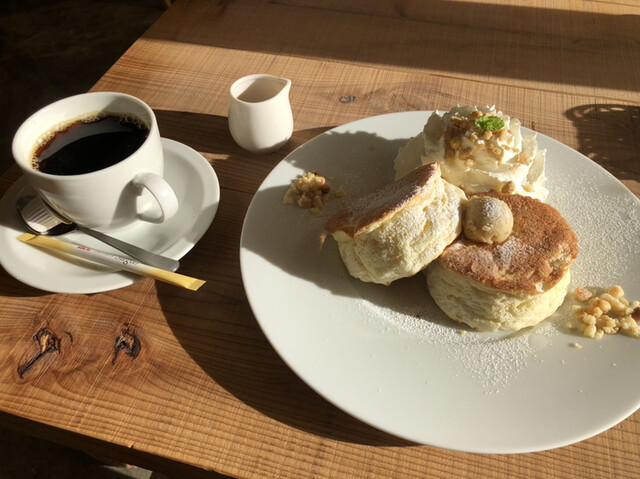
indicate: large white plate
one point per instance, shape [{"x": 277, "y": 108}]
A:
[
  {"x": 196, "y": 186},
  {"x": 389, "y": 357}
]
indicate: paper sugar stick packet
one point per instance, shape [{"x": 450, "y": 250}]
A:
[{"x": 108, "y": 259}]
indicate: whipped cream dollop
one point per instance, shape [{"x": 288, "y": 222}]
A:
[{"x": 480, "y": 149}]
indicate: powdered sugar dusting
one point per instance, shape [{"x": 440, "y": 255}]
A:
[
  {"x": 606, "y": 220},
  {"x": 493, "y": 360},
  {"x": 492, "y": 208}
]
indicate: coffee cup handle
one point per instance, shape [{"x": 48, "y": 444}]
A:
[{"x": 161, "y": 191}]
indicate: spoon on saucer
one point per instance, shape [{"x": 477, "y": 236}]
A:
[{"x": 42, "y": 220}]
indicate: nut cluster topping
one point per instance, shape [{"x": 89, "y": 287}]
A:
[
  {"x": 608, "y": 312},
  {"x": 309, "y": 191},
  {"x": 466, "y": 127}
]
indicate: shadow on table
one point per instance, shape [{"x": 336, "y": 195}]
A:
[
  {"x": 220, "y": 334},
  {"x": 216, "y": 326},
  {"x": 609, "y": 134}
]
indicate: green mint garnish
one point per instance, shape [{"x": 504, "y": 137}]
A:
[{"x": 490, "y": 123}]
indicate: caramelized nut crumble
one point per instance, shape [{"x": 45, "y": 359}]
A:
[
  {"x": 308, "y": 191},
  {"x": 582, "y": 294},
  {"x": 509, "y": 188},
  {"x": 608, "y": 312},
  {"x": 490, "y": 134}
]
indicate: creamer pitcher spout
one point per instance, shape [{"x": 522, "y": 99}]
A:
[
  {"x": 260, "y": 116},
  {"x": 287, "y": 86}
]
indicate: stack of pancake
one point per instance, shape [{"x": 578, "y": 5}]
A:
[{"x": 415, "y": 224}]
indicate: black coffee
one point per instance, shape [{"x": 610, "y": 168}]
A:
[{"x": 89, "y": 145}]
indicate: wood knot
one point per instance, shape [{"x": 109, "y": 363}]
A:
[
  {"x": 128, "y": 342},
  {"x": 347, "y": 99},
  {"x": 47, "y": 343}
]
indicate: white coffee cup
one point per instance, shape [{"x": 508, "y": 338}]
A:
[{"x": 131, "y": 190}]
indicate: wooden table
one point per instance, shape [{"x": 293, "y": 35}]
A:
[{"x": 207, "y": 392}]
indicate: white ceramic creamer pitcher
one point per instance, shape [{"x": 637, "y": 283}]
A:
[{"x": 260, "y": 117}]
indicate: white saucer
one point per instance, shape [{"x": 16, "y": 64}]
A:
[{"x": 196, "y": 186}]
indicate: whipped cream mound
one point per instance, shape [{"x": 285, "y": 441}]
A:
[{"x": 481, "y": 149}]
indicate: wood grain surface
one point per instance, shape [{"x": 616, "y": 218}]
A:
[{"x": 205, "y": 393}]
